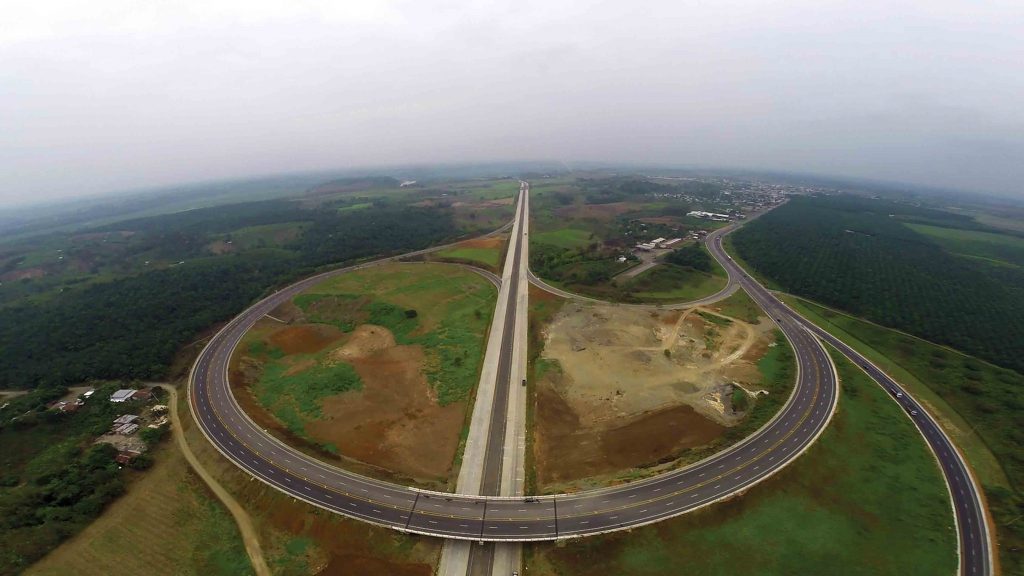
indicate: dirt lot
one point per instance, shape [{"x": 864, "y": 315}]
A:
[
  {"x": 392, "y": 428},
  {"x": 496, "y": 241},
  {"x": 393, "y": 425},
  {"x": 395, "y": 422},
  {"x": 625, "y": 388},
  {"x": 595, "y": 211}
]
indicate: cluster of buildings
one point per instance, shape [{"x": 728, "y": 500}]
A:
[
  {"x": 125, "y": 425},
  {"x": 709, "y": 215},
  {"x": 658, "y": 243}
]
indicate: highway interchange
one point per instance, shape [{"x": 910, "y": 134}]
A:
[{"x": 515, "y": 519}]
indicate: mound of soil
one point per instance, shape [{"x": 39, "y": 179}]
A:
[{"x": 366, "y": 340}]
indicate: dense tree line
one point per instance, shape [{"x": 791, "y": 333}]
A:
[
  {"x": 856, "y": 254},
  {"x": 586, "y": 266},
  {"x": 133, "y": 326},
  {"x": 692, "y": 256}
]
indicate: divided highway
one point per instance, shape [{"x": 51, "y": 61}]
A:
[{"x": 512, "y": 519}]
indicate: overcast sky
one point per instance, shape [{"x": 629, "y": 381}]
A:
[{"x": 106, "y": 95}]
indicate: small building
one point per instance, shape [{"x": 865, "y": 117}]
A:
[
  {"x": 126, "y": 429},
  {"x": 123, "y": 395},
  {"x": 670, "y": 243},
  {"x": 657, "y": 241},
  {"x": 621, "y": 259},
  {"x": 143, "y": 395},
  {"x": 88, "y": 393},
  {"x": 125, "y": 419}
]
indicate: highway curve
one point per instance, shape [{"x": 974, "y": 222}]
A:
[{"x": 492, "y": 518}]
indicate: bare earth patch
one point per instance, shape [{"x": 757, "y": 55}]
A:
[
  {"x": 394, "y": 422},
  {"x": 631, "y": 388},
  {"x": 305, "y": 339},
  {"x": 488, "y": 242}
]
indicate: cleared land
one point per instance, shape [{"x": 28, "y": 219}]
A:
[
  {"x": 843, "y": 507},
  {"x": 166, "y": 523},
  {"x": 373, "y": 369},
  {"x": 999, "y": 249},
  {"x": 621, "y": 392},
  {"x": 565, "y": 238},
  {"x": 486, "y": 252}
]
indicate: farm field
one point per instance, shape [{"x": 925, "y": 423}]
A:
[
  {"x": 265, "y": 235},
  {"x": 836, "y": 506},
  {"x": 373, "y": 369},
  {"x": 166, "y": 523},
  {"x": 621, "y": 393},
  {"x": 857, "y": 255},
  {"x": 996, "y": 248}
]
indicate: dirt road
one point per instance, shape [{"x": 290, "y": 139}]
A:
[{"x": 245, "y": 525}]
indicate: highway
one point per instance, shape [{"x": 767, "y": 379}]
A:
[
  {"x": 974, "y": 540},
  {"x": 515, "y": 519}
]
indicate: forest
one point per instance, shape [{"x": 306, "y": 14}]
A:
[
  {"x": 857, "y": 255},
  {"x": 131, "y": 327}
]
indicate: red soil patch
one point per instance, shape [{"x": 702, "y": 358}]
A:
[
  {"x": 348, "y": 547},
  {"x": 394, "y": 423},
  {"x": 596, "y": 211},
  {"x": 23, "y": 274},
  {"x": 489, "y": 242},
  {"x": 565, "y": 452},
  {"x": 538, "y": 294},
  {"x": 660, "y": 220},
  {"x": 304, "y": 339},
  {"x": 220, "y": 247}
]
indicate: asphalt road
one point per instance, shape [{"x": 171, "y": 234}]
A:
[
  {"x": 482, "y": 558},
  {"x": 491, "y": 518},
  {"x": 975, "y": 542}
]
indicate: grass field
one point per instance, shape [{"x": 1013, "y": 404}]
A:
[
  {"x": 978, "y": 405},
  {"x": 354, "y": 207},
  {"x": 166, "y": 523},
  {"x": 567, "y": 238},
  {"x": 673, "y": 283},
  {"x": 453, "y": 309},
  {"x": 487, "y": 256},
  {"x": 739, "y": 305},
  {"x": 296, "y": 398},
  {"x": 844, "y": 508},
  {"x": 998, "y": 248},
  {"x": 267, "y": 235}
]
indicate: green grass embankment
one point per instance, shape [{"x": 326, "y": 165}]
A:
[{"x": 866, "y": 499}]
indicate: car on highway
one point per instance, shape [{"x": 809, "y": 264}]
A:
[{"x": 897, "y": 393}]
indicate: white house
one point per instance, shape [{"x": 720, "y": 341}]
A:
[{"x": 122, "y": 395}]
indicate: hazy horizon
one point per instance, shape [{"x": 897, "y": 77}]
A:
[{"x": 114, "y": 96}]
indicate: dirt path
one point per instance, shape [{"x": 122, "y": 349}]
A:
[{"x": 245, "y": 525}]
